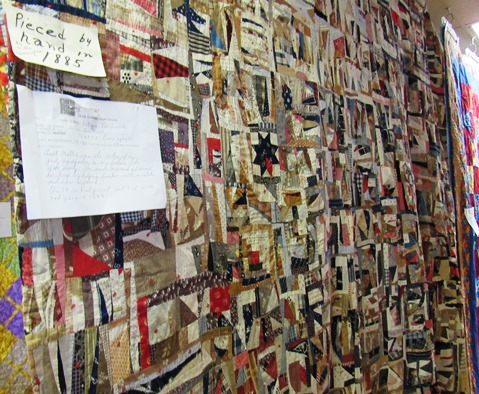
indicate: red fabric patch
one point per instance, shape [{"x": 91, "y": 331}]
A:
[
  {"x": 282, "y": 157},
  {"x": 67, "y": 226},
  {"x": 57, "y": 309},
  {"x": 253, "y": 257},
  {"x": 2, "y": 42},
  {"x": 213, "y": 144},
  {"x": 348, "y": 359},
  {"x": 288, "y": 312},
  {"x": 465, "y": 97},
  {"x": 365, "y": 184},
  {"x": 339, "y": 45},
  {"x": 475, "y": 105},
  {"x": 283, "y": 382},
  {"x": 233, "y": 238},
  {"x": 272, "y": 368},
  {"x": 27, "y": 267},
  {"x": 85, "y": 265},
  {"x": 454, "y": 271},
  {"x": 236, "y": 273},
  {"x": 402, "y": 205},
  {"x": 396, "y": 19},
  {"x": 10, "y": 55},
  {"x": 269, "y": 166},
  {"x": 219, "y": 300},
  {"x": 469, "y": 137},
  {"x": 241, "y": 360},
  {"x": 295, "y": 371},
  {"x": 148, "y": 5},
  {"x": 476, "y": 180},
  {"x": 166, "y": 68},
  {"x": 145, "y": 356},
  {"x": 182, "y": 146},
  {"x": 303, "y": 375},
  {"x": 135, "y": 53},
  {"x": 219, "y": 385},
  {"x": 3, "y": 79}
]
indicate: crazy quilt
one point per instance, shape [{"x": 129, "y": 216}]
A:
[{"x": 308, "y": 243}]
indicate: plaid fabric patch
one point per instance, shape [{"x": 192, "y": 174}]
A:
[
  {"x": 237, "y": 344},
  {"x": 280, "y": 58},
  {"x": 36, "y": 78},
  {"x": 38, "y": 84},
  {"x": 416, "y": 340},
  {"x": 130, "y": 217},
  {"x": 166, "y": 68},
  {"x": 152, "y": 220}
]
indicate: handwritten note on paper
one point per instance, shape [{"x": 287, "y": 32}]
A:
[
  {"x": 49, "y": 42},
  {"x": 5, "y": 220},
  {"x": 471, "y": 219},
  {"x": 88, "y": 157}
]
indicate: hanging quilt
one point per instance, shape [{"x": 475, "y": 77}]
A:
[
  {"x": 463, "y": 101},
  {"x": 308, "y": 243}
]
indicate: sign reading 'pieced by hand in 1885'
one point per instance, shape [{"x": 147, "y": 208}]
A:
[{"x": 52, "y": 43}]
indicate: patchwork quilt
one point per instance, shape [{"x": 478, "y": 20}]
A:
[
  {"x": 308, "y": 244},
  {"x": 463, "y": 100}
]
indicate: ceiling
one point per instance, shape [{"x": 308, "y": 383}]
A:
[{"x": 461, "y": 14}]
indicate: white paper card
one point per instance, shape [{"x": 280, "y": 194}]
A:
[
  {"x": 469, "y": 213},
  {"x": 88, "y": 157},
  {"x": 5, "y": 220},
  {"x": 47, "y": 41}
]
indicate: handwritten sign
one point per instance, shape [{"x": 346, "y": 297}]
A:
[
  {"x": 88, "y": 157},
  {"x": 49, "y": 42}
]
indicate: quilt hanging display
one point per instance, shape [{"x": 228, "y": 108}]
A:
[
  {"x": 308, "y": 242},
  {"x": 463, "y": 101}
]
